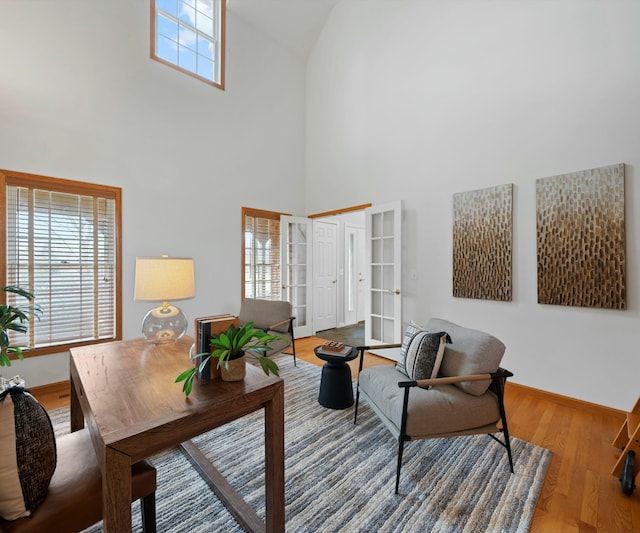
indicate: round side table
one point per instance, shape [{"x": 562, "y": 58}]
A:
[{"x": 336, "y": 388}]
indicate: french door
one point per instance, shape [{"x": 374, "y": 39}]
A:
[
  {"x": 383, "y": 300},
  {"x": 296, "y": 269}
]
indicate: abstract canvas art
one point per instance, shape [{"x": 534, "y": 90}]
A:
[
  {"x": 581, "y": 238},
  {"x": 482, "y": 242}
]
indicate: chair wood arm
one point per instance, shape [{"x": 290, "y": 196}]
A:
[
  {"x": 377, "y": 347},
  {"x": 281, "y": 323},
  {"x": 501, "y": 373}
]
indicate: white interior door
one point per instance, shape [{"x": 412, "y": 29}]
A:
[
  {"x": 325, "y": 276},
  {"x": 383, "y": 302},
  {"x": 296, "y": 268}
]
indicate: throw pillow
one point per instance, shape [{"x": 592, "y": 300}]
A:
[
  {"x": 27, "y": 453},
  {"x": 409, "y": 333},
  {"x": 472, "y": 352},
  {"x": 424, "y": 354}
]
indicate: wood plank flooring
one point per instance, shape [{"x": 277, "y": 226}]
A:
[{"x": 579, "y": 495}]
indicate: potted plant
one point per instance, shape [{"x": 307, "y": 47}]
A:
[
  {"x": 13, "y": 319},
  {"x": 230, "y": 348}
]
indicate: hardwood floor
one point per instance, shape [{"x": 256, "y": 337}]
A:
[{"x": 579, "y": 494}]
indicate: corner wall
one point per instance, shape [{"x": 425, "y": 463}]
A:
[{"x": 419, "y": 100}]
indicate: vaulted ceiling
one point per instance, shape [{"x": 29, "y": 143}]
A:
[{"x": 295, "y": 24}]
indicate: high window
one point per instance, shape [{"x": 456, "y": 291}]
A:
[
  {"x": 189, "y": 36},
  {"x": 261, "y": 252},
  {"x": 61, "y": 241}
]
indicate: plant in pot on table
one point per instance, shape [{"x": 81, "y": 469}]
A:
[{"x": 230, "y": 349}]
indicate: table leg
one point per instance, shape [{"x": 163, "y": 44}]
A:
[
  {"x": 75, "y": 410},
  {"x": 274, "y": 462},
  {"x": 116, "y": 492}
]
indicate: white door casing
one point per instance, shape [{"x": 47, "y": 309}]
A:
[
  {"x": 296, "y": 245},
  {"x": 383, "y": 300}
]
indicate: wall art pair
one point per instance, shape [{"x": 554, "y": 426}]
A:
[{"x": 580, "y": 238}]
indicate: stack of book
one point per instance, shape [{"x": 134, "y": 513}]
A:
[
  {"x": 204, "y": 328},
  {"x": 335, "y": 348}
]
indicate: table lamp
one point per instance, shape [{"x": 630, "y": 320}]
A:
[{"x": 162, "y": 279}]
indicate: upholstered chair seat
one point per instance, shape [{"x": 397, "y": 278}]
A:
[{"x": 74, "y": 499}]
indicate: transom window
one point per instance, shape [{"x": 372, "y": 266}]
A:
[
  {"x": 61, "y": 241},
  {"x": 189, "y": 35}
]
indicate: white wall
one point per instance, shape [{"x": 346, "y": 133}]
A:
[
  {"x": 418, "y": 100},
  {"x": 80, "y": 99}
]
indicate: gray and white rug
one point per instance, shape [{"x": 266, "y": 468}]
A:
[{"x": 340, "y": 477}]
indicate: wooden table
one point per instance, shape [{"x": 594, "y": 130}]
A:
[{"x": 125, "y": 392}]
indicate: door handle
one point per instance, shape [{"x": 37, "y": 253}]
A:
[{"x": 397, "y": 291}]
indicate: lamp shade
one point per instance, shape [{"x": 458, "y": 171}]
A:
[{"x": 164, "y": 278}]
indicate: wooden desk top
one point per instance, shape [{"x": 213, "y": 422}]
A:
[{"x": 128, "y": 395}]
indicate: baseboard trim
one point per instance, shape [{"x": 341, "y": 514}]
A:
[
  {"x": 59, "y": 389},
  {"x": 568, "y": 401}
]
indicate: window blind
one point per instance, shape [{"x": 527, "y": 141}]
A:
[
  {"x": 62, "y": 248},
  {"x": 262, "y": 255}
]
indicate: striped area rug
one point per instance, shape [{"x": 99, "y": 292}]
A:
[{"x": 340, "y": 477}]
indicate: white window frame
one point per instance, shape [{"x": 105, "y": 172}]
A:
[
  {"x": 185, "y": 17},
  {"x": 95, "y": 300}
]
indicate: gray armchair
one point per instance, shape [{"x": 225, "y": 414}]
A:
[
  {"x": 465, "y": 399},
  {"x": 275, "y": 318}
]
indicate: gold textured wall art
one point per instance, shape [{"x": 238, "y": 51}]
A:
[
  {"x": 482, "y": 241},
  {"x": 581, "y": 238}
]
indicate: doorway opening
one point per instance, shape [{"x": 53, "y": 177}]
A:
[
  {"x": 352, "y": 335},
  {"x": 339, "y": 275}
]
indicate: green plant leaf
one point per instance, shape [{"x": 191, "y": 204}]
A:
[
  {"x": 195, "y": 356},
  {"x": 185, "y": 375},
  {"x": 269, "y": 365},
  {"x": 203, "y": 364},
  {"x": 188, "y": 385},
  {"x": 19, "y": 291}
]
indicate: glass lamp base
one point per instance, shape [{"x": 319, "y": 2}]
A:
[{"x": 164, "y": 324}]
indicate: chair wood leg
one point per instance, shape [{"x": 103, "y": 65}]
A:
[
  {"x": 293, "y": 341},
  {"x": 499, "y": 382},
  {"x": 148, "y": 508},
  {"x": 402, "y": 437},
  {"x": 361, "y": 349},
  {"x": 400, "y": 450},
  {"x": 507, "y": 444}
]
